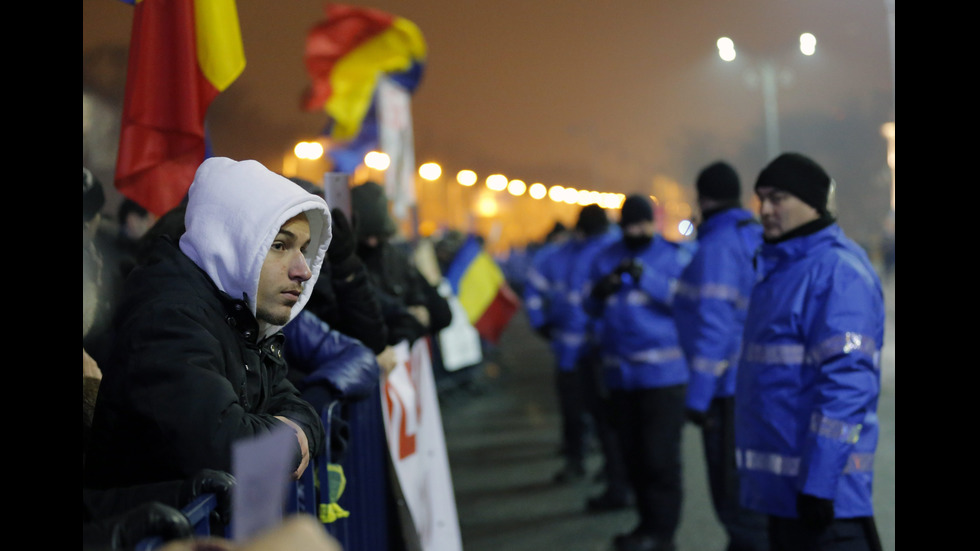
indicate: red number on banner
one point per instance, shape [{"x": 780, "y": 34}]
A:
[{"x": 397, "y": 412}]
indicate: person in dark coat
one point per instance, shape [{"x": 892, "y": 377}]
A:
[
  {"x": 710, "y": 304},
  {"x": 197, "y": 359},
  {"x": 343, "y": 296},
  {"x": 412, "y": 307}
]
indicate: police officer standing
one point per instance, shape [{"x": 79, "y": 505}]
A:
[
  {"x": 809, "y": 375},
  {"x": 630, "y": 290},
  {"x": 709, "y": 307}
]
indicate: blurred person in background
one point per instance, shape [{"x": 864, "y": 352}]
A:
[
  {"x": 411, "y": 306},
  {"x": 709, "y": 307},
  {"x": 630, "y": 291},
  {"x": 556, "y": 292}
]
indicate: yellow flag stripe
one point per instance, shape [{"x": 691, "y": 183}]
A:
[
  {"x": 355, "y": 76},
  {"x": 479, "y": 286},
  {"x": 219, "y": 41}
]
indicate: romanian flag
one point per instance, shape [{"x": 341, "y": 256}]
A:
[
  {"x": 482, "y": 290},
  {"x": 345, "y": 56},
  {"x": 182, "y": 54}
]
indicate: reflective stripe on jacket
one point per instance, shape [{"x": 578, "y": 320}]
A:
[
  {"x": 711, "y": 301},
  {"x": 566, "y": 273},
  {"x": 537, "y": 289},
  {"x": 638, "y": 338},
  {"x": 809, "y": 377}
]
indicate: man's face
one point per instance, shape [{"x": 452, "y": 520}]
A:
[
  {"x": 781, "y": 211},
  {"x": 284, "y": 272},
  {"x": 643, "y": 228}
]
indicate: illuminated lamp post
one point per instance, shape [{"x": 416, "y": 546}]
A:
[{"x": 768, "y": 76}]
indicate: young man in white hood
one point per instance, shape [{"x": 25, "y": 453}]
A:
[{"x": 197, "y": 357}]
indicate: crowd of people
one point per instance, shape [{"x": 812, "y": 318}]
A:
[
  {"x": 185, "y": 332},
  {"x": 253, "y": 306},
  {"x": 765, "y": 333}
]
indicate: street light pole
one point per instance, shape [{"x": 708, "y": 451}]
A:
[{"x": 767, "y": 74}]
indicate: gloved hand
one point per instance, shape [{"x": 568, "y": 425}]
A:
[
  {"x": 149, "y": 520},
  {"x": 606, "y": 286},
  {"x": 699, "y": 418},
  {"x": 339, "y": 436},
  {"x": 342, "y": 244},
  {"x": 815, "y": 512},
  {"x": 631, "y": 266},
  {"x": 210, "y": 481}
]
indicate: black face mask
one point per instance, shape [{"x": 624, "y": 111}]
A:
[{"x": 637, "y": 242}]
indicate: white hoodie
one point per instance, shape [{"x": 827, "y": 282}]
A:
[{"x": 234, "y": 212}]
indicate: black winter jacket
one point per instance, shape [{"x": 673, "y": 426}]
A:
[
  {"x": 400, "y": 284},
  {"x": 187, "y": 379}
]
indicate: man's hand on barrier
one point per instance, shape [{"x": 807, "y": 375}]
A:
[
  {"x": 304, "y": 446},
  {"x": 210, "y": 481},
  {"x": 149, "y": 520},
  {"x": 386, "y": 359}
]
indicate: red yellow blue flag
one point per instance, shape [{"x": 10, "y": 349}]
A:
[
  {"x": 482, "y": 289},
  {"x": 345, "y": 56},
  {"x": 182, "y": 54}
]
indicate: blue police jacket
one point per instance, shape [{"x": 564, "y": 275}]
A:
[
  {"x": 565, "y": 274},
  {"x": 711, "y": 301},
  {"x": 537, "y": 288},
  {"x": 637, "y": 337},
  {"x": 809, "y": 376}
]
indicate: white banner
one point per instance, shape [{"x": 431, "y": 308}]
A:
[
  {"x": 459, "y": 343},
  {"x": 416, "y": 442},
  {"x": 397, "y": 141}
]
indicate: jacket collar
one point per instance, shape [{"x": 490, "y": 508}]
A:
[
  {"x": 772, "y": 255},
  {"x": 720, "y": 218}
]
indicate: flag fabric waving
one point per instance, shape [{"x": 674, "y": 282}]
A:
[
  {"x": 345, "y": 55},
  {"x": 479, "y": 283},
  {"x": 182, "y": 54}
]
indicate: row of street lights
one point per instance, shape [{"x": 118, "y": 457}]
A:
[{"x": 467, "y": 206}]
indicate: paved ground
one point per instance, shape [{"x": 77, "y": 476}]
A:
[{"x": 502, "y": 440}]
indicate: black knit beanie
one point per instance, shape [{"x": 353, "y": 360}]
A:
[
  {"x": 636, "y": 208},
  {"x": 800, "y": 176},
  {"x": 719, "y": 181},
  {"x": 592, "y": 220}
]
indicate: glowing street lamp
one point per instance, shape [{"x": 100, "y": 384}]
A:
[
  {"x": 497, "y": 182},
  {"x": 377, "y": 160},
  {"x": 308, "y": 150},
  {"x": 466, "y": 177},
  {"x": 430, "y": 171},
  {"x": 767, "y": 73},
  {"x": 537, "y": 190},
  {"x": 556, "y": 193}
]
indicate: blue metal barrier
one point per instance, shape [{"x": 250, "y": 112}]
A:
[
  {"x": 366, "y": 471},
  {"x": 365, "y": 495}
]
